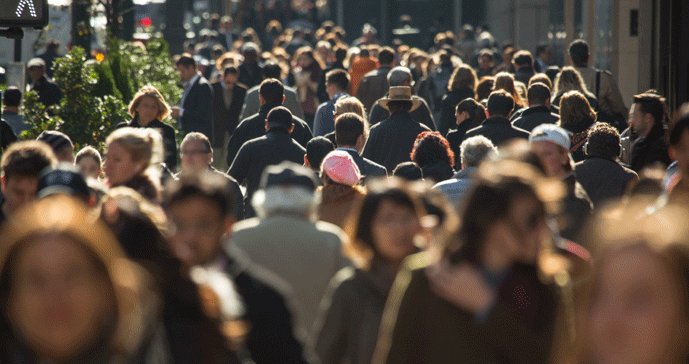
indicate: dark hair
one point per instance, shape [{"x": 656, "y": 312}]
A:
[
  {"x": 484, "y": 87},
  {"x": 542, "y": 78},
  {"x": 489, "y": 201},
  {"x": 272, "y": 70},
  {"x": 186, "y": 60},
  {"x": 552, "y": 72},
  {"x": 27, "y": 159},
  {"x": 348, "y": 127},
  {"x": 430, "y": 147},
  {"x": 338, "y": 77},
  {"x": 12, "y": 96},
  {"x": 538, "y": 94},
  {"x": 409, "y": 171},
  {"x": 231, "y": 70},
  {"x": 500, "y": 103},
  {"x": 340, "y": 53},
  {"x": 476, "y": 111},
  {"x": 272, "y": 91},
  {"x": 316, "y": 150},
  {"x": 541, "y": 47},
  {"x": 394, "y": 106},
  {"x": 386, "y": 56},
  {"x": 362, "y": 246},
  {"x": 651, "y": 104},
  {"x": 523, "y": 58},
  {"x": 679, "y": 126},
  {"x": 579, "y": 52},
  {"x": 208, "y": 185},
  {"x": 603, "y": 141}
]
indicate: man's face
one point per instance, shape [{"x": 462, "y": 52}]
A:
[
  {"x": 197, "y": 227},
  {"x": 18, "y": 191},
  {"x": 546, "y": 55},
  {"x": 195, "y": 156},
  {"x": 186, "y": 73},
  {"x": 639, "y": 122},
  {"x": 230, "y": 80},
  {"x": 36, "y": 72}
]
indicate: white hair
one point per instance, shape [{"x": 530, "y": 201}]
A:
[
  {"x": 291, "y": 200},
  {"x": 475, "y": 149}
]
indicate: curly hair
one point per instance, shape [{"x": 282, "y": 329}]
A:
[
  {"x": 603, "y": 141},
  {"x": 431, "y": 147}
]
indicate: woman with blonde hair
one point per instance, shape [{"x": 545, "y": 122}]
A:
[
  {"x": 505, "y": 81},
  {"x": 148, "y": 110},
  {"x": 567, "y": 80},
  {"x": 131, "y": 160},
  {"x": 462, "y": 85},
  {"x": 577, "y": 117}
]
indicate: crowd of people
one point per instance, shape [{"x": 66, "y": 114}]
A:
[{"x": 333, "y": 203}]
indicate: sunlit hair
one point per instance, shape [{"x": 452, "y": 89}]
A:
[
  {"x": 569, "y": 79},
  {"x": 575, "y": 108},
  {"x": 505, "y": 81},
  {"x": 361, "y": 247},
  {"x": 142, "y": 145},
  {"x": 289, "y": 200},
  {"x": 88, "y": 152},
  {"x": 462, "y": 77},
  {"x": 150, "y": 91},
  {"x": 484, "y": 87},
  {"x": 351, "y": 104},
  {"x": 430, "y": 147}
]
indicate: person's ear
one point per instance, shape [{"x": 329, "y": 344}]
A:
[
  {"x": 360, "y": 139},
  {"x": 306, "y": 161},
  {"x": 3, "y": 182},
  {"x": 671, "y": 151},
  {"x": 291, "y": 129}
]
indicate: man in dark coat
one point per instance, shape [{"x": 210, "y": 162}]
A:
[
  {"x": 497, "y": 127},
  {"x": 340, "y": 56},
  {"x": 195, "y": 112},
  {"x": 538, "y": 111},
  {"x": 646, "y": 121},
  {"x": 271, "y": 95},
  {"x": 375, "y": 85},
  {"x": 523, "y": 65},
  {"x": 401, "y": 76},
  {"x": 228, "y": 98},
  {"x": 252, "y": 102},
  {"x": 391, "y": 141},
  {"x": 49, "y": 92},
  {"x": 274, "y": 147},
  {"x": 250, "y": 72},
  {"x": 350, "y": 134},
  {"x": 601, "y": 176},
  {"x": 256, "y": 302}
]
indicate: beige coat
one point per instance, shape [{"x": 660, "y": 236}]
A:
[{"x": 609, "y": 96}]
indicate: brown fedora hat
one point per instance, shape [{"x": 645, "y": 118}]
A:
[{"x": 400, "y": 93}]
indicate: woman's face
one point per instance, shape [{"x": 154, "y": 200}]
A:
[
  {"x": 147, "y": 109},
  {"x": 305, "y": 60},
  {"x": 89, "y": 167},
  {"x": 59, "y": 303},
  {"x": 393, "y": 228},
  {"x": 119, "y": 166},
  {"x": 635, "y": 311}
]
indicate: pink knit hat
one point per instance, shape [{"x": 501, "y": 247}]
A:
[{"x": 341, "y": 168}]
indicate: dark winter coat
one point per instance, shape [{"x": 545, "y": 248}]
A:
[{"x": 391, "y": 141}]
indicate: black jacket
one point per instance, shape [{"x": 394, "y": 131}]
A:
[
  {"x": 272, "y": 336},
  {"x": 198, "y": 109},
  {"x": 49, "y": 92},
  {"x": 256, "y": 154},
  {"x": 255, "y": 126},
  {"x": 576, "y": 209},
  {"x": 448, "y": 105},
  {"x": 603, "y": 179},
  {"x": 366, "y": 167},
  {"x": 498, "y": 130},
  {"x": 535, "y": 116},
  {"x": 650, "y": 149},
  {"x": 438, "y": 171},
  {"x": 422, "y": 114},
  {"x": 168, "y": 134},
  {"x": 391, "y": 141},
  {"x": 224, "y": 119},
  {"x": 524, "y": 75},
  {"x": 7, "y": 137}
]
